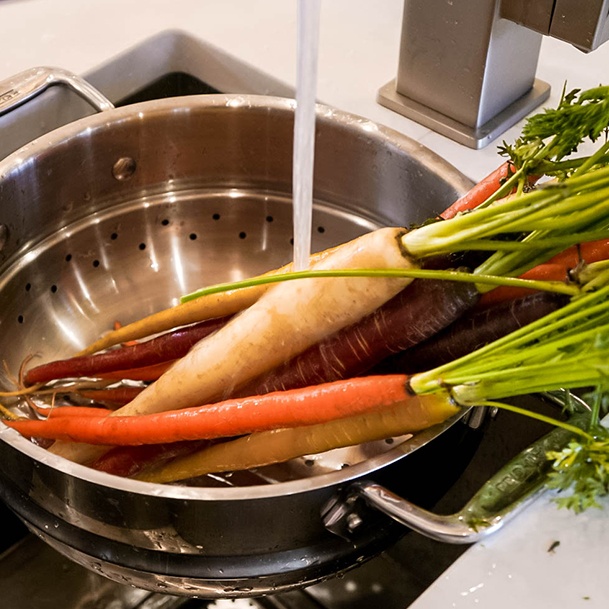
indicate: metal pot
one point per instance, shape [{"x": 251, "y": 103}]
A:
[{"x": 114, "y": 216}]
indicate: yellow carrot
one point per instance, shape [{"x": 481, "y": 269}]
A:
[
  {"x": 279, "y": 445},
  {"x": 200, "y": 309}
]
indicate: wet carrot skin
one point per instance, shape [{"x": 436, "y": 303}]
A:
[
  {"x": 590, "y": 251},
  {"x": 111, "y": 397},
  {"x": 418, "y": 312},
  {"x": 278, "y": 445},
  {"x": 73, "y": 411},
  {"x": 480, "y": 192},
  {"x": 476, "y": 329},
  {"x": 229, "y": 418}
]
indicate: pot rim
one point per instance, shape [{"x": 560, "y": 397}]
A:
[{"x": 229, "y": 101}]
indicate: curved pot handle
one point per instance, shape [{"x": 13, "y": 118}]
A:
[
  {"x": 504, "y": 496},
  {"x": 22, "y": 87}
]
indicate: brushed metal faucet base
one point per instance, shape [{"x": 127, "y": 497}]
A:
[
  {"x": 469, "y": 136},
  {"x": 467, "y": 69}
]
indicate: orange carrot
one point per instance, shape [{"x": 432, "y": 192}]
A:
[
  {"x": 557, "y": 268},
  {"x": 307, "y": 406},
  {"x": 591, "y": 251},
  {"x": 263, "y": 448},
  {"x": 483, "y": 190},
  {"x": 542, "y": 272},
  {"x": 480, "y": 192}
]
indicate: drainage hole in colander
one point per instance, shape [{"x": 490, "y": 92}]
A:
[
  {"x": 165, "y": 222},
  {"x": 242, "y": 235},
  {"x": 28, "y": 287},
  {"x": 20, "y": 319},
  {"x": 114, "y": 236},
  {"x": 192, "y": 236},
  {"x": 95, "y": 263},
  {"x": 68, "y": 257},
  {"x": 215, "y": 216},
  {"x": 321, "y": 229},
  {"x": 269, "y": 218},
  {"x": 53, "y": 289},
  {"x": 142, "y": 246}
]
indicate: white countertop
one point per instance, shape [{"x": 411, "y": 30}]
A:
[{"x": 358, "y": 54}]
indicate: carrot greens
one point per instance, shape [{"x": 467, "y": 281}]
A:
[
  {"x": 566, "y": 349},
  {"x": 555, "y": 215},
  {"x": 581, "y": 469},
  {"x": 580, "y": 115},
  {"x": 550, "y": 138}
]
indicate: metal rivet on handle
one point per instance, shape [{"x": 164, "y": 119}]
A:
[
  {"x": 124, "y": 168},
  {"x": 353, "y": 521}
]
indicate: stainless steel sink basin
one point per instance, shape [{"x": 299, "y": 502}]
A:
[{"x": 169, "y": 52}]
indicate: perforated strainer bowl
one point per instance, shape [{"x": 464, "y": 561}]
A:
[{"x": 117, "y": 215}]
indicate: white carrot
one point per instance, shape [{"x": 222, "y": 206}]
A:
[{"x": 287, "y": 319}]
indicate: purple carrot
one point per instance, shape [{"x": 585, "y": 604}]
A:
[
  {"x": 419, "y": 311},
  {"x": 111, "y": 396},
  {"x": 127, "y": 461},
  {"x": 168, "y": 346},
  {"x": 476, "y": 329}
]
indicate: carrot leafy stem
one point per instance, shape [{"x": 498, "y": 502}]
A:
[
  {"x": 581, "y": 469},
  {"x": 579, "y": 116},
  {"x": 581, "y": 472},
  {"x": 559, "y": 287}
]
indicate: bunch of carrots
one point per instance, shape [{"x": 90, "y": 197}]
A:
[{"x": 295, "y": 363}]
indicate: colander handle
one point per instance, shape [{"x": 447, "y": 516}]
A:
[
  {"x": 22, "y": 87},
  {"x": 501, "y": 498}
]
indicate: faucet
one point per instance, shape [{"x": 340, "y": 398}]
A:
[{"x": 467, "y": 67}]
